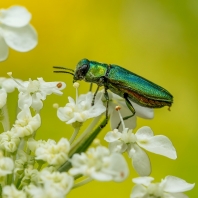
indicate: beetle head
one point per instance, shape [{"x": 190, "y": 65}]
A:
[{"x": 81, "y": 69}]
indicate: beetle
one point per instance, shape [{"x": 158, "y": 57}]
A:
[{"x": 122, "y": 82}]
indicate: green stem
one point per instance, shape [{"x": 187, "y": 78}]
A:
[
  {"x": 5, "y": 118},
  {"x": 76, "y": 130},
  {"x": 9, "y": 179},
  {"x": 85, "y": 181},
  {"x": 82, "y": 147},
  {"x": 86, "y": 132}
]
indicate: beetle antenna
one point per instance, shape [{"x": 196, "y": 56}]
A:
[
  {"x": 64, "y": 72},
  {"x": 59, "y": 67}
]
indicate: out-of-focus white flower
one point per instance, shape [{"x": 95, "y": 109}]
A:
[
  {"x": 9, "y": 141},
  {"x": 47, "y": 190},
  {"x": 25, "y": 124},
  {"x": 144, "y": 137},
  {"x": 114, "y": 100},
  {"x": 81, "y": 110},
  {"x": 51, "y": 152},
  {"x": 7, "y": 85},
  {"x": 30, "y": 176},
  {"x": 6, "y": 165},
  {"x": 22, "y": 162},
  {"x": 100, "y": 164},
  {"x": 32, "y": 92},
  {"x": 170, "y": 187},
  {"x": 33, "y": 144},
  {"x": 15, "y": 31},
  {"x": 60, "y": 181},
  {"x": 12, "y": 192}
]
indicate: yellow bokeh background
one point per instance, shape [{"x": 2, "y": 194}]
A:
[{"x": 155, "y": 39}]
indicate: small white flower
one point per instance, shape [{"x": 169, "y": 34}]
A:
[
  {"x": 22, "y": 162},
  {"x": 170, "y": 187},
  {"x": 100, "y": 164},
  {"x": 45, "y": 191},
  {"x": 81, "y": 110},
  {"x": 15, "y": 31},
  {"x": 12, "y": 192},
  {"x": 144, "y": 137},
  {"x": 114, "y": 100},
  {"x": 33, "y": 92},
  {"x": 9, "y": 141},
  {"x": 6, "y": 165},
  {"x": 53, "y": 153},
  {"x": 30, "y": 176},
  {"x": 60, "y": 181},
  {"x": 25, "y": 124}
]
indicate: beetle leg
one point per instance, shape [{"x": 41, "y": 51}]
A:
[
  {"x": 91, "y": 85},
  {"x": 93, "y": 100},
  {"x": 129, "y": 105},
  {"x": 106, "y": 95},
  {"x": 131, "y": 108},
  {"x": 125, "y": 118}
]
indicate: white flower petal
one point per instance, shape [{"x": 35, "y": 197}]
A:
[
  {"x": 100, "y": 176},
  {"x": 175, "y": 185},
  {"x": 4, "y": 51},
  {"x": 9, "y": 85},
  {"x": 15, "y": 16},
  {"x": 140, "y": 161},
  {"x": 24, "y": 99},
  {"x": 138, "y": 191},
  {"x": 143, "y": 180},
  {"x": 21, "y": 39},
  {"x": 144, "y": 133},
  {"x": 112, "y": 136},
  {"x": 143, "y": 112},
  {"x": 176, "y": 195},
  {"x": 117, "y": 146},
  {"x": 119, "y": 166},
  {"x": 161, "y": 145},
  {"x": 37, "y": 104}
]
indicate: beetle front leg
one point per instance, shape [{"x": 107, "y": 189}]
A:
[
  {"x": 131, "y": 108},
  {"x": 93, "y": 100}
]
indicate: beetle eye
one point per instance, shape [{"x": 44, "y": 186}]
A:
[{"x": 83, "y": 70}]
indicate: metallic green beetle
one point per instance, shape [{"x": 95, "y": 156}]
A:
[{"x": 122, "y": 82}]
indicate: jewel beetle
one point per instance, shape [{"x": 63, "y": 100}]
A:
[{"x": 122, "y": 82}]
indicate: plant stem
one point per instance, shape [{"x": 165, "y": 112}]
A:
[
  {"x": 5, "y": 121},
  {"x": 82, "y": 183},
  {"x": 76, "y": 130},
  {"x": 87, "y": 131}
]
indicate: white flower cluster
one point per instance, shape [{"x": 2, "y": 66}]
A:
[
  {"x": 21, "y": 177},
  {"x": 100, "y": 164}
]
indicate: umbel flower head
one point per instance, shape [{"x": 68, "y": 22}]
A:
[
  {"x": 33, "y": 92},
  {"x": 15, "y": 31},
  {"x": 133, "y": 144},
  {"x": 81, "y": 109}
]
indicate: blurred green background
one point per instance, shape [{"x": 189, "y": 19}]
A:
[{"x": 155, "y": 39}]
